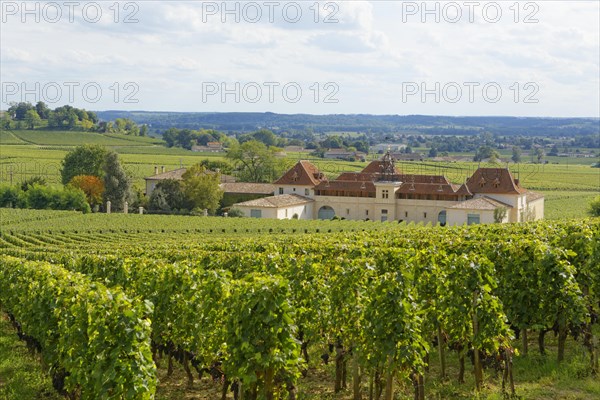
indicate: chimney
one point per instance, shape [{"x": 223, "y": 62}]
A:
[
  {"x": 155, "y": 170},
  {"x": 162, "y": 169}
]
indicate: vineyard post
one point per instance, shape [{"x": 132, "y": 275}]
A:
[
  {"x": 108, "y": 207},
  {"x": 524, "y": 341},
  {"x": 389, "y": 384},
  {"x": 356, "y": 377},
  {"x": 441, "y": 351},
  {"x": 477, "y": 361}
]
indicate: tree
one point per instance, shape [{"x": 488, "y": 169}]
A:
[
  {"x": 5, "y": 122},
  {"x": 595, "y": 207},
  {"x": 539, "y": 152},
  {"x": 32, "y": 119},
  {"x": 144, "y": 130},
  {"x": 499, "y": 214},
  {"x": 202, "y": 189},
  {"x": 516, "y": 154},
  {"x": 554, "y": 150},
  {"x": 42, "y": 109},
  {"x": 18, "y": 110},
  {"x": 83, "y": 160},
  {"x": 91, "y": 185},
  {"x": 254, "y": 161},
  {"x": 168, "y": 195},
  {"x": 433, "y": 152},
  {"x": 117, "y": 186},
  {"x": 30, "y": 182},
  {"x": 486, "y": 152}
]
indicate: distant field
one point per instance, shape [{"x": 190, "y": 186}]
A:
[
  {"x": 568, "y": 186},
  {"x": 72, "y": 138}
]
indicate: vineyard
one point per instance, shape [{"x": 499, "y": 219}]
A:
[{"x": 246, "y": 309}]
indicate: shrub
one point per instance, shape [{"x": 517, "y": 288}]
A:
[
  {"x": 91, "y": 185},
  {"x": 595, "y": 207},
  {"x": 12, "y": 197},
  {"x": 235, "y": 212}
]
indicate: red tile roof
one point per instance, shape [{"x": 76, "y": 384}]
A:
[
  {"x": 377, "y": 167},
  {"x": 303, "y": 173},
  {"x": 494, "y": 180}
]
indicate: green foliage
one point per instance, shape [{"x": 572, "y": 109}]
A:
[
  {"x": 83, "y": 160},
  {"x": 260, "y": 334},
  {"x": 43, "y": 197},
  {"x": 516, "y": 154},
  {"x": 34, "y": 180},
  {"x": 235, "y": 213},
  {"x": 117, "y": 185},
  {"x": 167, "y": 196},
  {"x": 595, "y": 207},
  {"x": 255, "y": 162},
  {"x": 98, "y": 336},
  {"x": 202, "y": 189},
  {"x": 32, "y": 119}
]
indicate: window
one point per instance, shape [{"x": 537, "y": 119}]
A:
[
  {"x": 280, "y": 190},
  {"x": 294, "y": 189},
  {"x": 256, "y": 213},
  {"x": 347, "y": 211},
  {"x": 472, "y": 219},
  {"x": 366, "y": 212},
  {"x": 424, "y": 215},
  {"x": 405, "y": 214},
  {"x": 286, "y": 212},
  {"x": 385, "y": 194},
  {"x": 384, "y": 212},
  {"x": 306, "y": 192}
]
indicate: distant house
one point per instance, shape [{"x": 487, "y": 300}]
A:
[
  {"x": 177, "y": 175},
  {"x": 293, "y": 149},
  {"x": 341, "y": 154},
  {"x": 382, "y": 192},
  {"x": 211, "y": 147}
]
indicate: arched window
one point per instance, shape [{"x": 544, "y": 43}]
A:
[
  {"x": 326, "y": 212},
  {"x": 442, "y": 218}
]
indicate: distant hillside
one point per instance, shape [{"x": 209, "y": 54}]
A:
[{"x": 439, "y": 125}]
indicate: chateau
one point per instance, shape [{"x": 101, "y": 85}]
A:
[{"x": 381, "y": 192}]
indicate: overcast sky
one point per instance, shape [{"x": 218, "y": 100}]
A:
[{"x": 381, "y": 57}]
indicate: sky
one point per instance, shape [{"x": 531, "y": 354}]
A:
[{"x": 469, "y": 58}]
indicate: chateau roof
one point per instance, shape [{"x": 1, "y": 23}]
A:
[
  {"x": 282, "y": 200},
  {"x": 176, "y": 174},
  {"x": 494, "y": 180},
  {"x": 532, "y": 196},
  {"x": 303, "y": 173},
  {"x": 480, "y": 203},
  {"x": 248, "y": 188},
  {"x": 377, "y": 167},
  {"x": 426, "y": 188}
]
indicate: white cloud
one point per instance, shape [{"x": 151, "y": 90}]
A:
[{"x": 369, "y": 52}]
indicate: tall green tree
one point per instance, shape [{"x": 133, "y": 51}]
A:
[
  {"x": 254, "y": 161},
  {"x": 202, "y": 189},
  {"x": 83, "y": 160},
  {"x": 32, "y": 119},
  {"x": 42, "y": 109},
  {"x": 117, "y": 185},
  {"x": 516, "y": 154}
]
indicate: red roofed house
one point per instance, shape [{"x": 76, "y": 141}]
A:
[{"x": 381, "y": 192}]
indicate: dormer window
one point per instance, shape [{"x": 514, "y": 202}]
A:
[
  {"x": 496, "y": 182},
  {"x": 482, "y": 182},
  {"x": 295, "y": 176}
]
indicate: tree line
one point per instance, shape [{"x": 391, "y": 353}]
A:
[{"x": 25, "y": 115}]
